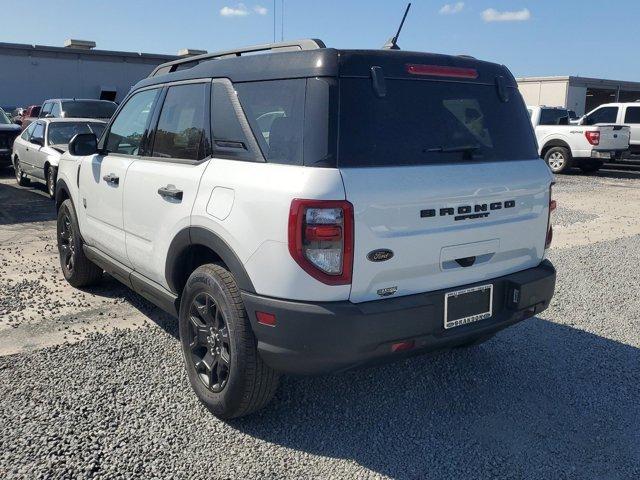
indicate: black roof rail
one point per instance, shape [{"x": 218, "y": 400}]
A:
[{"x": 290, "y": 46}]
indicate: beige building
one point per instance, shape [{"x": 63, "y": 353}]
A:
[{"x": 579, "y": 94}]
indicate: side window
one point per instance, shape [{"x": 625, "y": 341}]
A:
[
  {"x": 128, "y": 128},
  {"x": 55, "y": 111},
  {"x": 632, "y": 115},
  {"x": 275, "y": 110},
  {"x": 228, "y": 135},
  {"x": 46, "y": 108},
  {"x": 602, "y": 115},
  {"x": 183, "y": 123},
  {"x": 26, "y": 135},
  {"x": 38, "y": 134}
]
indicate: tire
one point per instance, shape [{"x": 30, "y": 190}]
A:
[
  {"x": 591, "y": 167},
  {"x": 77, "y": 269},
  {"x": 21, "y": 178},
  {"x": 52, "y": 177},
  {"x": 219, "y": 347},
  {"x": 559, "y": 159}
]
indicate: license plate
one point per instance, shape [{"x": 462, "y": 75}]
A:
[
  {"x": 467, "y": 306},
  {"x": 603, "y": 155}
]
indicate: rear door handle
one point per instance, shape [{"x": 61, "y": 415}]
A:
[
  {"x": 111, "y": 179},
  {"x": 170, "y": 191}
]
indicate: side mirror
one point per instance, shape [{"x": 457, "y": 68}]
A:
[
  {"x": 48, "y": 115},
  {"x": 83, "y": 144},
  {"x": 37, "y": 141}
]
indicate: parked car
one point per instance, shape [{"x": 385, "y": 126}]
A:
[
  {"x": 37, "y": 151},
  {"x": 78, "y": 108},
  {"x": 8, "y": 132},
  {"x": 357, "y": 229},
  {"x": 621, "y": 114},
  {"x": 564, "y": 146},
  {"x": 28, "y": 115}
]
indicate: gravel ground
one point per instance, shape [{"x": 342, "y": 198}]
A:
[{"x": 553, "y": 397}]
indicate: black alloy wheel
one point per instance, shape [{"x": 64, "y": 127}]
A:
[
  {"x": 66, "y": 244},
  {"x": 209, "y": 342}
]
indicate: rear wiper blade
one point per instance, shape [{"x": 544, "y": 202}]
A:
[{"x": 458, "y": 148}]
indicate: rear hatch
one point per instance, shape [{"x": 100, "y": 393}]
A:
[
  {"x": 442, "y": 170},
  {"x": 613, "y": 137}
]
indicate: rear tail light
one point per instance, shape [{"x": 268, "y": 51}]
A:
[
  {"x": 552, "y": 208},
  {"x": 321, "y": 239},
  {"x": 592, "y": 137},
  {"x": 441, "y": 71}
]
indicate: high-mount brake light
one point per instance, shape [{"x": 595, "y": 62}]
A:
[
  {"x": 441, "y": 71},
  {"x": 592, "y": 137},
  {"x": 321, "y": 239},
  {"x": 552, "y": 208}
]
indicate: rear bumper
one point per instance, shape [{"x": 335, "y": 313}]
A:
[{"x": 312, "y": 338}]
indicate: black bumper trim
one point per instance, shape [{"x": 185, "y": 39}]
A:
[{"x": 313, "y": 338}]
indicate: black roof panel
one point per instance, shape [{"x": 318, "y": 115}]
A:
[{"x": 324, "y": 62}]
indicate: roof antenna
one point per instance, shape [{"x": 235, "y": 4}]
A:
[{"x": 392, "y": 43}]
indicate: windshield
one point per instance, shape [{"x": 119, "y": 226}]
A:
[
  {"x": 422, "y": 122},
  {"x": 88, "y": 109},
  {"x": 553, "y": 116},
  {"x": 61, "y": 133},
  {"x": 3, "y": 118}
]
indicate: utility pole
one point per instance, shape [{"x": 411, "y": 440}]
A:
[
  {"x": 274, "y": 21},
  {"x": 282, "y": 21}
]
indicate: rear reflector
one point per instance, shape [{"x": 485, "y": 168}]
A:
[
  {"x": 402, "y": 346},
  {"x": 267, "y": 319},
  {"x": 441, "y": 71}
]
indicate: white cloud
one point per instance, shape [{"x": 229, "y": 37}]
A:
[
  {"x": 260, "y": 10},
  {"x": 239, "y": 11},
  {"x": 451, "y": 9},
  {"x": 493, "y": 15}
]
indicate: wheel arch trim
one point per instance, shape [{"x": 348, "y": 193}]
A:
[{"x": 194, "y": 236}]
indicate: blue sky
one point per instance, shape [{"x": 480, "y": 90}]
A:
[{"x": 532, "y": 37}]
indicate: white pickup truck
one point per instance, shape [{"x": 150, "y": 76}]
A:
[{"x": 585, "y": 146}]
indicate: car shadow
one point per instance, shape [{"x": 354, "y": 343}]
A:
[
  {"x": 610, "y": 170},
  {"x": 541, "y": 400},
  {"x": 24, "y": 204}
]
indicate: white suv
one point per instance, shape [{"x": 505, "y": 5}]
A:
[{"x": 312, "y": 210}]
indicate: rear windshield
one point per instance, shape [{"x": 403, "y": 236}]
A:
[
  {"x": 86, "y": 109},
  {"x": 61, "y": 133},
  {"x": 554, "y": 116},
  {"x": 421, "y": 122}
]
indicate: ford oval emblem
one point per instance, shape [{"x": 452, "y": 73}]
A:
[{"x": 380, "y": 255}]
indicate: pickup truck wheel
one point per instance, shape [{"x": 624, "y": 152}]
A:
[
  {"x": 77, "y": 269},
  {"x": 591, "y": 167},
  {"x": 52, "y": 175},
  {"x": 558, "y": 159},
  {"x": 219, "y": 348},
  {"x": 21, "y": 178}
]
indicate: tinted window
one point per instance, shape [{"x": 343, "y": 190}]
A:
[
  {"x": 553, "y": 116},
  {"x": 129, "y": 126},
  {"x": 632, "y": 115},
  {"x": 183, "y": 123},
  {"x": 56, "y": 111},
  {"x": 88, "y": 109},
  {"x": 35, "y": 111},
  {"x": 3, "y": 118},
  {"x": 228, "y": 135},
  {"x": 46, "y": 108},
  {"x": 602, "y": 115},
  {"x": 28, "y": 131},
  {"x": 61, "y": 133},
  {"x": 275, "y": 110},
  {"x": 38, "y": 132},
  {"x": 420, "y": 122}
]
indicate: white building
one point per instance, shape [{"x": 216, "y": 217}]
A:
[
  {"x": 580, "y": 94},
  {"x": 30, "y": 74}
]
